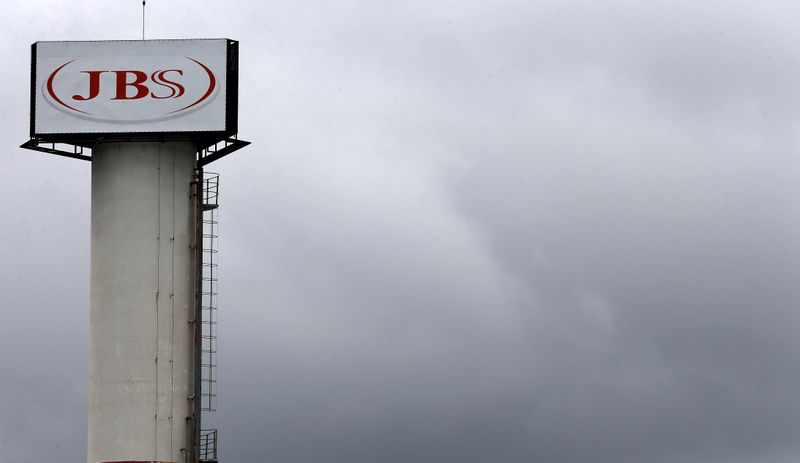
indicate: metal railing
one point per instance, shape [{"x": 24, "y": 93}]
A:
[{"x": 208, "y": 445}]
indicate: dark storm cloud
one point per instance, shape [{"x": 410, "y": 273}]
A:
[{"x": 466, "y": 231}]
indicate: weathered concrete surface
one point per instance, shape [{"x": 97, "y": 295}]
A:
[{"x": 142, "y": 267}]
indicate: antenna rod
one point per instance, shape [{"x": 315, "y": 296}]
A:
[{"x": 144, "y": 2}]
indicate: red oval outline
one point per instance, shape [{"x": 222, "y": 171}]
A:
[
  {"x": 212, "y": 84},
  {"x": 53, "y": 93}
]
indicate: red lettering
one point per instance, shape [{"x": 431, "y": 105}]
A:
[
  {"x": 176, "y": 89},
  {"x": 178, "y": 86},
  {"x": 94, "y": 85},
  {"x": 123, "y": 84}
]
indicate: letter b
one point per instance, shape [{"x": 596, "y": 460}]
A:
[{"x": 123, "y": 84}]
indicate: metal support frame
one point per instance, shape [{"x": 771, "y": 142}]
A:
[
  {"x": 210, "y": 153},
  {"x": 214, "y": 151},
  {"x": 38, "y": 145}
]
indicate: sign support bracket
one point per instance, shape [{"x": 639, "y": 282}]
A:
[
  {"x": 213, "y": 152},
  {"x": 50, "y": 148}
]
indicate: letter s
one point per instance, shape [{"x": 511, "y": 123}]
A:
[{"x": 176, "y": 89}]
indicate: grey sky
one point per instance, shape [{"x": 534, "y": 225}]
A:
[{"x": 465, "y": 232}]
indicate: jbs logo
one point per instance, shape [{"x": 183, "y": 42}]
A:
[
  {"x": 130, "y": 94},
  {"x": 138, "y": 84}
]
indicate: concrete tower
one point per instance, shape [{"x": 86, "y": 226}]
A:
[{"x": 141, "y": 381}]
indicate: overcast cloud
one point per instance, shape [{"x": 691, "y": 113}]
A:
[{"x": 489, "y": 232}]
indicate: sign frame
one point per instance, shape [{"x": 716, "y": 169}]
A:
[{"x": 203, "y": 137}]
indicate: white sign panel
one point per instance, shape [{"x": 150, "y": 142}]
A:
[{"x": 142, "y": 86}]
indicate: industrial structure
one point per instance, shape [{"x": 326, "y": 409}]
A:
[{"x": 149, "y": 115}]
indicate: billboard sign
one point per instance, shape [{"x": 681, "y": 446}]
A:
[{"x": 134, "y": 89}]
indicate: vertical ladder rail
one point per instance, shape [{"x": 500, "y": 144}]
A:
[{"x": 193, "y": 454}]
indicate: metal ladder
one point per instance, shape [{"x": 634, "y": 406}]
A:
[{"x": 208, "y": 338}]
